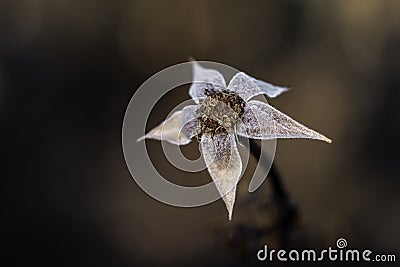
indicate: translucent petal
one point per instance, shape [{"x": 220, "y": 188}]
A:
[
  {"x": 224, "y": 165},
  {"x": 269, "y": 89},
  {"x": 247, "y": 87},
  {"x": 178, "y": 129},
  {"x": 262, "y": 121},
  {"x": 205, "y": 79}
]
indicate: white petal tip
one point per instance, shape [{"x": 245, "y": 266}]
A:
[
  {"x": 325, "y": 139},
  {"x": 321, "y": 137},
  {"x": 229, "y": 208},
  {"x": 229, "y": 202},
  {"x": 284, "y": 89},
  {"x": 279, "y": 91},
  {"x": 141, "y": 138}
]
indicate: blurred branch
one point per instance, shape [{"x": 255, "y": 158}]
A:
[{"x": 285, "y": 212}]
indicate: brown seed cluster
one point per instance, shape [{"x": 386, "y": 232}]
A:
[{"x": 219, "y": 112}]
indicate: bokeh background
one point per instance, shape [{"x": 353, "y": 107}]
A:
[{"x": 69, "y": 68}]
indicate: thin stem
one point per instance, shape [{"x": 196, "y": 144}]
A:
[
  {"x": 286, "y": 211},
  {"x": 276, "y": 180}
]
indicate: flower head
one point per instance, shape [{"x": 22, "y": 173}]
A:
[{"x": 222, "y": 112}]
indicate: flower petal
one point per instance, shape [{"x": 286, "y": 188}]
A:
[
  {"x": 178, "y": 129},
  {"x": 205, "y": 79},
  {"x": 247, "y": 87},
  {"x": 262, "y": 121},
  {"x": 224, "y": 165}
]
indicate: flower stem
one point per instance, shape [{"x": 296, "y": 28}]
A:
[{"x": 286, "y": 213}]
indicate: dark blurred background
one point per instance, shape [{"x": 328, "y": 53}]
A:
[{"x": 69, "y": 68}]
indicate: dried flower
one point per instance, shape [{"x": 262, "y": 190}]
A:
[{"x": 222, "y": 112}]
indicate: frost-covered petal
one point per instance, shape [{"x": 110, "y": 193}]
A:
[
  {"x": 269, "y": 89},
  {"x": 203, "y": 79},
  {"x": 178, "y": 129},
  {"x": 190, "y": 122},
  {"x": 262, "y": 121},
  {"x": 224, "y": 165},
  {"x": 247, "y": 87}
]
